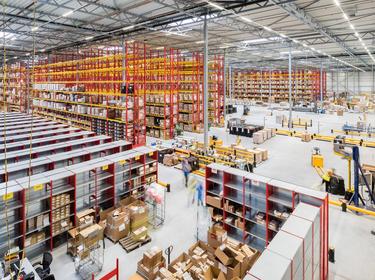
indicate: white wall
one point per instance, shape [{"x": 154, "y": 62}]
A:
[{"x": 353, "y": 82}]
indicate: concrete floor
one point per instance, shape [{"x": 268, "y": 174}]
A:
[{"x": 289, "y": 160}]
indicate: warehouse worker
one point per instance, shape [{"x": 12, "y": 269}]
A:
[
  {"x": 186, "y": 168},
  {"x": 327, "y": 179}
]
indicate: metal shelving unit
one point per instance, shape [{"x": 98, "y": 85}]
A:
[
  {"x": 273, "y": 86},
  {"x": 254, "y": 209}
]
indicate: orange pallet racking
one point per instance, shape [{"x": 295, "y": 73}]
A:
[
  {"x": 216, "y": 90},
  {"x": 190, "y": 94},
  {"x": 16, "y": 77},
  {"x": 273, "y": 85},
  {"x": 191, "y": 108},
  {"x": 89, "y": 89},
  {"x": 161, "y": 92}
]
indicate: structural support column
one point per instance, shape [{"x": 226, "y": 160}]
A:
[
  {"x": 290, "y": 88},
  {"x": 230, "y": 84},
  {"x": 205, "y": 82},
  {"x": 337, "y": 81},
  {"x": 373, "y": 79},
  {"x": 225, "y": 87},
  {"x": 270, "y": 86},
  {"x": 321, "y": 82},
  {"x": 359, "y": 87},
  {"x": 123, "y": 52}
]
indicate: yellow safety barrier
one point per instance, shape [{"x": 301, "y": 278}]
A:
[
  {"x": 353, "y": 208},
  {"x": 327, "y": 138}
]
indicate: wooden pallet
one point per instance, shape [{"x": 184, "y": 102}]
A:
[{"x": 129, "y": 244}]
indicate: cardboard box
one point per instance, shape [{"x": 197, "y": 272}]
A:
[
  {"x": 136, "y": 277},
  {"x": 117, "y": 224},
  {"x": 152, "y": 257},
  {"x": 224, "y": 255},
  {"x": 264, "y": 153},
  {"x": 39, "y": 221},
  {"x": 216, "y": 236},
  {"x": 306, "y": 137},
  {"x": 214, "y": 201},
  {"x": 214, "y": 273},
  {"x": 181, "y": 264},
  {"x": 140, "y": 233}
]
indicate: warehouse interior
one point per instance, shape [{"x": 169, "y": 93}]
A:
[{"x": 171, "y": 139}]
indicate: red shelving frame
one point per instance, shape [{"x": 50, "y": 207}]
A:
[{"x": 271, "y": 186}]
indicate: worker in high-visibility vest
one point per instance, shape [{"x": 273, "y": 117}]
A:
[{"x": 327, "y": 178}]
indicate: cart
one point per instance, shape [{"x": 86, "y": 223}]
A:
[
  {"x": 92, "y": 263},
  {"x": 156, "y": 199}
]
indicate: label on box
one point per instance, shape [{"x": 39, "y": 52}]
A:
[
  {"x": 64, "y": 224},
  {"x": 150, "y": 154},
  {"x": 137, "y": 158},
  {"x": 105, "y": 167},
  {"x": 214, "y": 171},
  {"x": 7, "y": 196},
  {"x": 38, "y": 187},
  {"x": 122, "y": 162},
  {"x": 121, "y": 227},
  {"x": 255, "y": 183},
  {"x": 223, "y": 268}
]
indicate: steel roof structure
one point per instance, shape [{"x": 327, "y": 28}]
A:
[{"x": 259, "y": 33}]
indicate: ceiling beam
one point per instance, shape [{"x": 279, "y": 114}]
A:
[{"x": 299, "y": 13}]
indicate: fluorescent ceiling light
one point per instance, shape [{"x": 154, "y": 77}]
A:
[
  {"x": 267, "y": 28},
  {"x": 305, "y": 45},
  {"x": 35, "y": 28},
  {"x": 241, "y": 50},
  {"x": 283, "y": 35},
  {"x": 27, "y": 54},
  {"x": 131, "y": 41},
  {"x": 296, "y": 51},
  {"x": 351, "y": 26},
  {"x": 295, "y": 41},
  {"x": 345, "y": 16},
  {"x": 224, "y": 47},
  {"x": 260, "y": 40},
  {"x": 15, "y": 57},
  {"x": 356, "y": 34},
  {"x": 88, "y": 38},
  {"x": 159, "y": 48},
  {"x": 68, "y": 13},
  {"x": 42, "y": 50},
  {"x": 199, "y": 42},
  {"x": 216, "y": 6},
  {"x": 128, "y": 27},
  {"x": 337, "y": 3},
  {"x": 246, "y": 19}
]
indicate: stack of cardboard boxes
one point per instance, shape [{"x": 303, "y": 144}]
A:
[
  {"x": 263, "y": 135},
  {"x": 130, "y": 217},
  {"x": 220, "y": 259},
  {"x": 61, "y": 213},
  {"x": 151, "y": 263},
  {"x": 117, "y": 224},
  {"x": 84, "y": 237},
  {"x": 306, "y": 137}
]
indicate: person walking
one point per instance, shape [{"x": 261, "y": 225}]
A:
[
  {"x": 186, "y": 168},
  {"x": 326, "y": 179},
  {"x": 199, "y": 191}
]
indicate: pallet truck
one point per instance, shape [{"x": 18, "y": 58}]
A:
[{"x": 350, "y": 152}]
